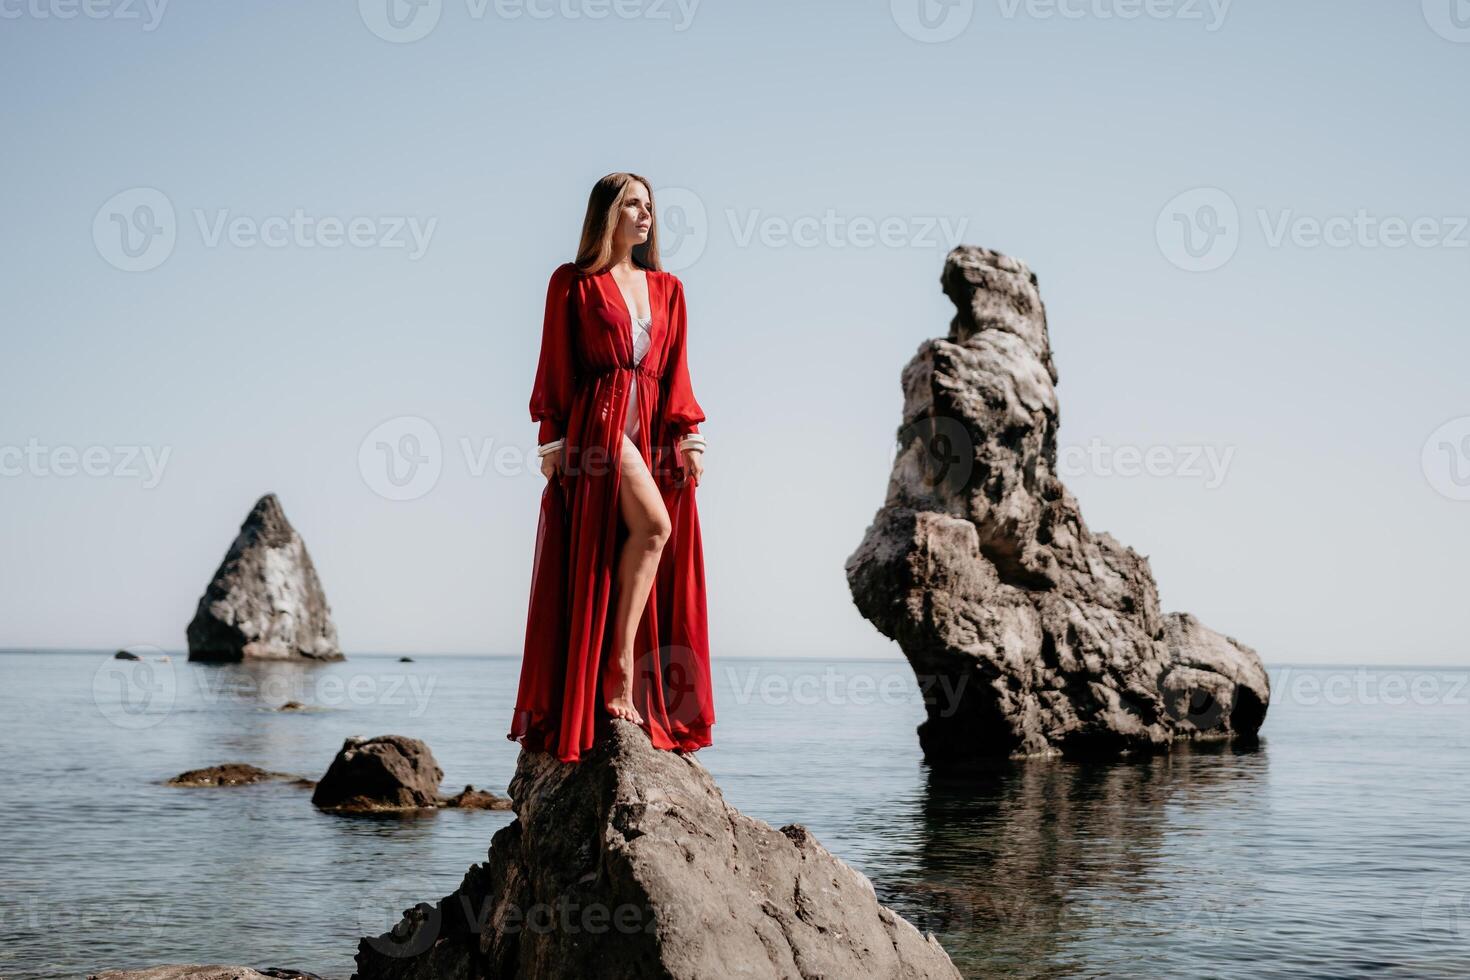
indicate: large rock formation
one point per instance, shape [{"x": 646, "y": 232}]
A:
[
  {"x": 630, "y": 864},
  {"x": 265, "y": 601},
  {"x": 1031, "y": 634}
]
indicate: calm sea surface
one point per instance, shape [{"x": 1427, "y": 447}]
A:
[{"x": 1340, "y": 847}]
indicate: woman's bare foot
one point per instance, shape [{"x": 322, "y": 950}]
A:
[{"x": 617, "y": 690}]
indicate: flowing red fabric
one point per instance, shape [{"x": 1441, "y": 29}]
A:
[{"x": 583, "y": 382}]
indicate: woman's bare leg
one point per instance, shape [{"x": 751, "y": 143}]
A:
[{"x": 643, "y": 510}]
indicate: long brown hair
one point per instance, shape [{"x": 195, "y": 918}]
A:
[{"x": 595, "y": 252}]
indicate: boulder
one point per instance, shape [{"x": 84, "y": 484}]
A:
[
  {"x": 1031, "y": 635},
  {"x": 630, "y": 864},
  {"x": 388, "y": 772},
  {"x": 265, "y": 601}
]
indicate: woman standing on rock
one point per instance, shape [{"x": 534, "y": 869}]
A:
[{"x": 617, "y": 612}]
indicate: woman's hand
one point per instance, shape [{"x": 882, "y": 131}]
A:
[
  {"x": 551, "y": 463},
  {"x": 693, "y": 463}
]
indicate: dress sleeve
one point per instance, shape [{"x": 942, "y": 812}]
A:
[
  {"x": 556, "y": 372},
  {"x": 681, "y": 410}
]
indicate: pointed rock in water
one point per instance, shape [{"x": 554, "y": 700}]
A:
[
  {"x": 630, "y": 865},
  {"x": 265, "y": 601},
  {"x": 1030, "y": 633}
]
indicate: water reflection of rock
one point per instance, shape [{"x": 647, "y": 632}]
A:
[{"x": 1015, "y": 867}]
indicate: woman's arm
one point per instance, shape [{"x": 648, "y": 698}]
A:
[
  {"x": 681, "y": 409},
  {"x": 556, "y": 371}
]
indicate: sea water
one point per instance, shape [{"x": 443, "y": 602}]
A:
[{"x": 1339, "y": 846}]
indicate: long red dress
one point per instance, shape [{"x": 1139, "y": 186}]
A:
[{"x": 584, "y": 380}]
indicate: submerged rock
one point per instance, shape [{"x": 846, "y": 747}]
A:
[
  {"x": 230, "y": 774},
  {"x": 630, "y": 864},
  {"x": 194, "y": 971},
  {"x": 265, "y": 601},
  {"x": 470, "y": 798},
  {"x": 1030, "y": 633}
]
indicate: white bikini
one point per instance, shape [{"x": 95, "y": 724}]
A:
[
  {"x": 640, "y": 347},
  {"x": 641, "y": 341}
]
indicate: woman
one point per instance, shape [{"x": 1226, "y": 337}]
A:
[{"x": 617, "y": 624}]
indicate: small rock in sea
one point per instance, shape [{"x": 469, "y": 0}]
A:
[
  {"x": 265, "y": 601},
  {"x": 124, "y": 655},
  {"x": 405, "y": 660},
  {"x": 198, "y": 972},
  {"x": 629, "y": 865},
  {"x": 388, "y": 772},
  {"x": 228, "y": 774},
  {"x": 292, "y": 706},
  {"x": 475, "y": 799}
]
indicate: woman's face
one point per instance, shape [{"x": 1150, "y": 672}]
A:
[{"x": 635, "y": 217}]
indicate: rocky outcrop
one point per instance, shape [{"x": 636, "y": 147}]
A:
[
  {"x": 392, "y": 772},
  {"x": 265, "y": 600},
  {"x": 389, "y": 772},
  {"x": 630, "y": 864},
  {"x": 1030, "y": 633}
]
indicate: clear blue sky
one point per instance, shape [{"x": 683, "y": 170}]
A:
[{"x": 1063, "y": 135}]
